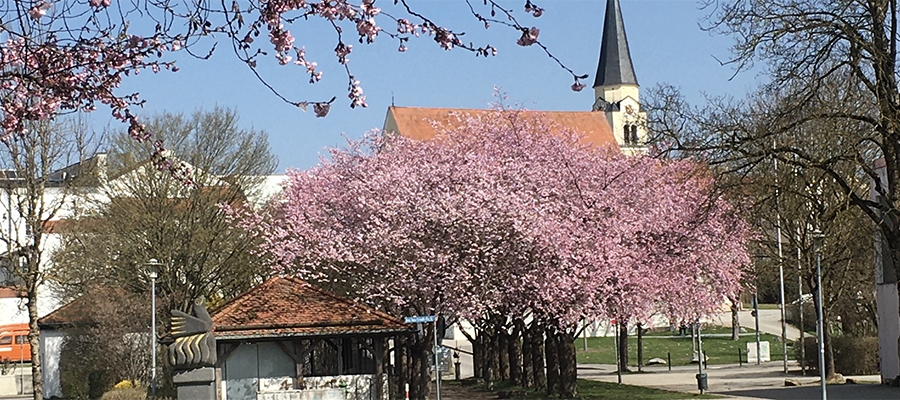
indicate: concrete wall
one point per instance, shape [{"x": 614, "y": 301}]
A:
[
  {"x": 888, "y": 330},
  {"x": 321, "y": 394},
  {"x": 16, "y": 383},
  {"x": 51, "y": 348},
  {"x": 886, "y": 300},
  {"x": 359, "y": 387},
  {"x": 262, "y": 371}
]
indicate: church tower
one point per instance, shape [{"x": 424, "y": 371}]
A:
[{"x": 616, "y": 89}]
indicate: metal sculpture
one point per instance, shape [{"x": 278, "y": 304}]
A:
[{"x": 195, "y": 344}]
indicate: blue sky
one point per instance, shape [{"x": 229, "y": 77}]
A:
[{"x": 667, "y": 46}]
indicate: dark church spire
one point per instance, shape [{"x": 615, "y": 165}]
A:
[{"x": 615, "y": 66}]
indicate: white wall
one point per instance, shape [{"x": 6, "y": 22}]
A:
[
  {"x": 256, "y": 366},
  {"x": 51, "y": 348},
  {"x": 12, "y": 311}
]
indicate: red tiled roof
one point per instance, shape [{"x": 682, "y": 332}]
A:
[
  {"x": 11, "y": 292},
  {"x": 290, "y": 307},
  {"x": 418, "y": 123}
]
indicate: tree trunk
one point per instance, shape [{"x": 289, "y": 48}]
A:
[
  {"x": 537, "y": 357},
  {"x": 552, "y": 350},
  {"x": 829, "y": 354},
  {"x": 34, "y": 339},
  {"x": 478, "y": 354},
  {"x": 735, "y": 321},
  {"x": 503, "y": 354},
  {"x": 623, "y": 346},
  {"x": 401, "y": 358},
  {"x": 419, "y": 353},
  {"x": 515, "y": 356},
  {"x": 527, "y": 354},
  {"x": 568, "y": 366},
  {"x": 486, "y": 373},
  {"x": 494, "y": 355},
  {"x": 640, "y": 347}
]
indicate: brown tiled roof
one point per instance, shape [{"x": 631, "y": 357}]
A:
[
  {"x": 290, "y": 307},
  {"x": 82, "y": 310},
  {"x": 418, "y": 123}
]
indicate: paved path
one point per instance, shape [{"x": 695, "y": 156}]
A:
[
  {"x": 769, "y": 322},
  {"x": 742, "y": 382}
]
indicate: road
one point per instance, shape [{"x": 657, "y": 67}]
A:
[{"x": 769, "y": 322}]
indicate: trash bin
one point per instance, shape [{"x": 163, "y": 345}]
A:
[{"x": 702, "y": 383}]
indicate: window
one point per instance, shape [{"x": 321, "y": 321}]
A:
[
  {"x": 5, "y": 340},
  {"x": 21, "y": 339}
]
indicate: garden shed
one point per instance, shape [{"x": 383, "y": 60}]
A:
[{"x": 289, "y": 340}]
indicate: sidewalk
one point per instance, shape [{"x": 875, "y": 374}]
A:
[{"x": 742, "y": 382}]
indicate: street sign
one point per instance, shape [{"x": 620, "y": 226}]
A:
[{"x": 419, "y": 319}]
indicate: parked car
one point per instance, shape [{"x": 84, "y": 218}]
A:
[{"x": 14, "y": 343}]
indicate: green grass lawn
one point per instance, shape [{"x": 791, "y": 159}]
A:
[
  {"x": 593, "y": 390},
  {"x": 720, "y": 350},
  {"x": 763, "y": 306}
]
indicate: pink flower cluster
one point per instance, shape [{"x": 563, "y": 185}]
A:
[
  {"x": 529, "y": 37},
  {"x": 356, "y": 95},
  {"x": 533, "y": 9}
]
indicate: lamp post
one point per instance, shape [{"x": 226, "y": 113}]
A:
[
  {"x": 820, "y": 323},
  {"x": 152, "y": 265}
]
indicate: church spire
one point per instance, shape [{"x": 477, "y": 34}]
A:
[{"x": 615, "y": 66}]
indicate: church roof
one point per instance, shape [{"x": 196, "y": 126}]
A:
[
  {"x": 419, "y": 123},
  {"x": 615, "y": 67}
]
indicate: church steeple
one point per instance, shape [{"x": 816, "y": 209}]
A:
[
  {"x": 615, "y": 66},
  {"x": 616, "y": 90}
]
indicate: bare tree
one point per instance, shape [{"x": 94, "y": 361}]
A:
[
  {"x": 801, "y": 176},
  {"x": 143, "y": 213},
  {"x": 42, "y": 168},
  {"x": 831, "y": 62}
]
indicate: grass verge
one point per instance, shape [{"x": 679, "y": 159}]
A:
[
  {"x": 594, "y": 390},
  {"x": 719, "y": 349}
]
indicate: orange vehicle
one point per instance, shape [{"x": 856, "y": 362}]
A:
[{"x": 14, "y": 343}]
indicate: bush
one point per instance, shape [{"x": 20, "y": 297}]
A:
[
  {"x": 134, "y": 393},
  {"x": 856, "y": 355},
  {"x": 107, "y": 345},
  {"x": 852, "y": 355},
  {"x": 792, "y": 316}
]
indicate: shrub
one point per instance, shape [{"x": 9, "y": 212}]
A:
[
  {"x": 133, "y": 393},
  {"x": 852, "y": 355},
  {"x": 108, "y": 344},
  {"x": 856, "y": 355},
  {"x": 792, "y": 315}
]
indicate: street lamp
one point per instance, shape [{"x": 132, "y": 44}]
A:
[
  {"x": 818, "y": 237},
  {"x": 153, "y": 266}
]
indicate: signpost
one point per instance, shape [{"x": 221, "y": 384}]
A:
[
  {"x": 419, "y": 319},
  {"x": 422, "y": 319}
]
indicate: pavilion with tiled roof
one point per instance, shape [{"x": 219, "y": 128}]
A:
[{"x": 287, "y": 335}]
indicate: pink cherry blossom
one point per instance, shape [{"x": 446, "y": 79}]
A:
[
  {"x": 496, "y": 216},
  {"x": 529, "y": 37}
]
